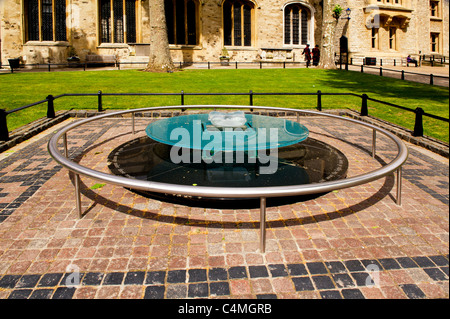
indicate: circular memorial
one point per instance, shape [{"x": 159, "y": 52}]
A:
[
  {"x": 233, "y": 150},
  {"x": 227, "y": 155}
]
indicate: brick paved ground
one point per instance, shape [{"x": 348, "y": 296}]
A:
[{"x": 128, "y": 246}]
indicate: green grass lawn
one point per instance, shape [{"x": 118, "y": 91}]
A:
[{"x": 19, "y": 89}]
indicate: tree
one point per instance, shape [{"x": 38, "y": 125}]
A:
[
  {"x": 329, "y": 22},
  {"x": 160, "y": 59}
]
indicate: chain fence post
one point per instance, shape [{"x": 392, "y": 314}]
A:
[
  {"x": 50, "y": 107},
  {"x": 418, "y": 125},
  {"x": 364, "y": 110},
  {"x": 4, "y": 134},
  {"x": 319, "y": 100},
  {"x": 100, "y": 102}
]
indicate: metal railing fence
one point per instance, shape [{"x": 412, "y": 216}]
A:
[{"x": 50, "y": 100}]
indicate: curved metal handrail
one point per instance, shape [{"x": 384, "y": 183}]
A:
[
  {"x": 208, "y": 191},
  {"x": 228, "y": 192}
]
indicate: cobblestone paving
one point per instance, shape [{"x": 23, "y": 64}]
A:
[{"x": 351, "y": 243}]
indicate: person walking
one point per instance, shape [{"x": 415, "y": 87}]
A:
[
  {"x": 316, "y": 55},
  {"x": 307, "y": 53}
]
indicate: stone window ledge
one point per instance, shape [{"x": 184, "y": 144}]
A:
[
  {"x": 47, "y": 43},
  {"x": 293, "y": 47},
  {"x": 113, "y": 46},
  {"x": 184, "y": 47},
  {"x": 234, "y": 48}
]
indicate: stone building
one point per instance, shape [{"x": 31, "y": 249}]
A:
[{"x": 43, "y": 31}]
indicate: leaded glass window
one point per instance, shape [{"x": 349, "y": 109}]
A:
[
  {"x": 304, "y": 27},
  {"x": 237, "y": 23},
  {"x": 32, "y": 12},
  {"x": 45, "y": 20},
  {"x": 118, "y": 21},
  {"x": 181, "y": 20},
  {"x": 296, "y": 20}
]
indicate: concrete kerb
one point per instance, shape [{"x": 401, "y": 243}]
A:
[{"x": 27, "y": 131}]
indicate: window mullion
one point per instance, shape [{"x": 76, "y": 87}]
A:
[
  {"x": 40, "y": 19},
  {"x": 186, "y": 34},
  {"x": 300, "y": 27},
  {"x": 242, "y": 25},
  {"x": 112, "y": 22},
  {"x": 174, "y": 15},
  {"x": 124, "y": 23},
  {"x": 53, "y": 20},
  {"x": 232, "y": 24}
]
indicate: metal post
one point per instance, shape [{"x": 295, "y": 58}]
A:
[
  {"x": 399, "y": 186},
  {"x": 403, "y": 74},
  {"x": 50, "y": 107},
  {"x": 362, "y": 68},
  {"x": 431, "y": 79},
  {"x": 4, "y": 134},
  {"x": 182, "y": 97},
  {"x": 78, "y": 195},
  {"x": 262, "y": 223},
  {"x": 236, "y": 65},
  {"x": 381, "y": 62},
  {"x": 209, "y": 66},
  {"x": 49, "y": 67},
  {"x": 66, "y": 151},
  {"x": 260, "y": 64},
  {"x": 251, "y": 98},
  {"x": 374, "y": 142},
  {"x": 364, "y": 110},
  {"x": 381, "y": 71},
  {"x": 319, "y": 100},
  {"x": 100, "y": 104},
  {"x": 132, "y": 123},
  {"x": 418, "y": 125}
]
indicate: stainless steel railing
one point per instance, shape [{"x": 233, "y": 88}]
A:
[{"x": 227, "y": 192}]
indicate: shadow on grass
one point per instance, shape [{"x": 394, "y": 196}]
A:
[{"x": 383, "y": 87}]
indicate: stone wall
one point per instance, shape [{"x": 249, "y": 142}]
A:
[{"x": 412, "y": 37}]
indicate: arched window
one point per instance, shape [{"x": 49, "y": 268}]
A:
[
  {"x": 296, "y": 21},
  {"x": 237, "y": 22},
  {"x": 114, "y": 14},
  {"x": 181, "y": 21}
]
